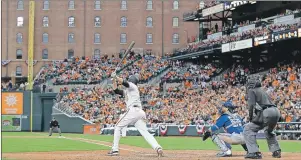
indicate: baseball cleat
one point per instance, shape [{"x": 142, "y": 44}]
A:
[
  {"x": 160, "y": 152},
  {"x": 224, "y": 154},
  {"x": 113, "y": 153},
  {"x": 256, "y": 155},
  {"x": 277, "y": 154}
]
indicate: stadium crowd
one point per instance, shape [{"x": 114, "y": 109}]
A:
[
  {"x": 236, "y": 36},
  {"x": 189, "y": 105},
  {"x": 82, "y": 70}
]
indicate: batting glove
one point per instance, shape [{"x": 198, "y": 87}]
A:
[{"x": 113, "y": 75}]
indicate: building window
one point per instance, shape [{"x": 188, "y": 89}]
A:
[
  {"x": 123, "y": 22},
  {"x": 19, "y": 38},
  {"x": 149, "y": 5},
  {"x": 71, "y": 22},
  {"x": 45, "y": 37},
  {"x": 122, "y": 38},
  {"x": 45, "y": 54},
  {"x": 46, "y": 5},
  {"x": 175, "y": 4},
  {"x": 19, "y": 53},
  {"x": 149, "y": 22},
  {"x": 96, "y": 38},
  {"x": 97, "y": 5},
  {"x": 175, "y": 38},
  {"x": 123, "y": 4},
  {"x": 70, "y": 53},
  {"x": 175, "y": 21},
  {"x": 18, "y": 71},
  {"x": 20, "y": 5},
  {"x": 45, "y": 21},
  {"x": 97, "y": 21},
  {"x": 71, "y": 38},
  {"x": 71, "y": 4},
  {"x": 96, "y": 54},
  {"x": 20, "y": 21},
  {"x": 149, "y": 38}
]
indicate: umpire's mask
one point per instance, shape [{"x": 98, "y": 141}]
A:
[
  {"x": 252, "y": 82},
  {"x": 134, "y": 79}
]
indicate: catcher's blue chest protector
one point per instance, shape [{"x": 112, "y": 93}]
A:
[{"x": 231, "y": 124}]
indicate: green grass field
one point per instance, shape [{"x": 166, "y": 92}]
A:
[{"x": 13, "y": 142}]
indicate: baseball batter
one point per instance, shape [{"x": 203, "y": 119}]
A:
[
  {"x": 267, "y": 116},
  {"x": 233, "y": 126},
  {"x": 134, "y": 114}
]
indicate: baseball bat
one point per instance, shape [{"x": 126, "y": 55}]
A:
[{"x": 125, "y": 55}]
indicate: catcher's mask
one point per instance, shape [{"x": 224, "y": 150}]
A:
[{"x": 134, "y": 79}]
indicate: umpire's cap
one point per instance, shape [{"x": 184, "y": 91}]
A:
[{"x": 134, "y": 78}]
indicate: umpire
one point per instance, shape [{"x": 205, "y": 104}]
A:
[
  {"x": 266, "y": 117},
  {"x": 54, "y": 124}
]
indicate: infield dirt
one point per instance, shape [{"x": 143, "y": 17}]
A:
[{"x": 132, "y": 153}]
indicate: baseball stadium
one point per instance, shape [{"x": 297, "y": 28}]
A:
[{"x": 150, "y": 79}]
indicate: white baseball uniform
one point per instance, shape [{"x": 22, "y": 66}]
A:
[{"x": 134, "y": 115}]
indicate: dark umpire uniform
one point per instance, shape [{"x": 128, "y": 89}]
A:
[
  {"x": 54, "y": 124},
  {"x": 267, "y": 116}
]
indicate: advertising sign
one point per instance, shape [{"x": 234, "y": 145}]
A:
[
  {"x": 234, "y": 4},
  {"x": 11, "y": 123},
  {"x": 243, "y": 44},
  {"x": 284, "y": 35},
  {"x": 225, "y": 47},
  {"x": 262, "y": 40},
  {"x": 299, "y": 32},
  {"x": 91, "y": 128},
  {"x": 12, "y": 103},
  {"x": 212, "y": 10}
]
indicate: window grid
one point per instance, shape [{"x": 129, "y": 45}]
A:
[
  {"x": 18, "y": 71},
  {"x": 71, "y": 38},
  {"x": 97, "y": 21},
  {"x": 71, "y": 5},
  {"x": 149, "y": 21},
  {"x": 19, "y": 54},
  {"x": 20, "y": 5},
  {"x": 70, "y": 53},
  {"x": 20, "y": 21},
  {"x": 175, "y": 4},
  {"x": 175, "y": 38},
  {"x": 45, "y": 21},
  {"x": 149, "y": 38},
  {"x": 175, "y": 22},
  {"x": 19, "y": 38},
  {"x": 45, "y": 37},
  {"x": 97, "y": 5},
  {"x": 96, "y": 38},
  {"x": 46, "y": 5},
  {"x": 96, "y": 54},
  {"x": 123, "y": 5},
  {"x": 149, "y": 5},
  {"x": 71, "y": 22},
  {"x": 123, "y": 22},
  {"x": 122, "y": 38},
  {"x": 45, "y": 54}
]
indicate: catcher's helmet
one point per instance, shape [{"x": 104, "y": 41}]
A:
[{"x": 134, "y": 79}]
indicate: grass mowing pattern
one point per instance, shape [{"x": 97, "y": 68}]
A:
[{"x": 168, "y": 143}]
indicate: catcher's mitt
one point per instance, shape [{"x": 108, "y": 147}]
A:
[{"x": 206, "y": 135}]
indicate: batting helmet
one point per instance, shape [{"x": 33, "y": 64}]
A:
[{"x": 134, "y": 79}]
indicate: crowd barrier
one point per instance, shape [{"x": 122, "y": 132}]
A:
[{"x": 192, "y": 130}]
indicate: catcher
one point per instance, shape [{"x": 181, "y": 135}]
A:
[{"x": 233, "y": 126}]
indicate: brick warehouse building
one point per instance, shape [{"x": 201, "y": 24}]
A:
[{"x": 64, "y": 28}]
